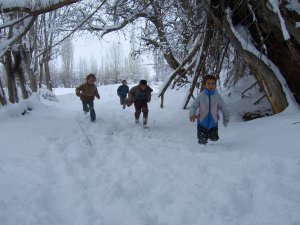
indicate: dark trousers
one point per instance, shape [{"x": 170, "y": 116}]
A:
[
  {"x": 89, "y": 107},
  {"x": 204, "y": 134},
  {"x": 141, "y": 106},
  {"x": 122, "y": 100}
]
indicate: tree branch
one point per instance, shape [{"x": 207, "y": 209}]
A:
[{"x": 8, "y": 6}]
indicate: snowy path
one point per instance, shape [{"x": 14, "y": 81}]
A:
[{"x": 50, "y": 174}]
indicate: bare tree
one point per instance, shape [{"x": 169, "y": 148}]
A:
[
  {"x": 67, "y": 54},
  {"x": 82, "y": 67},
  {"x": 115, "y": 61}
]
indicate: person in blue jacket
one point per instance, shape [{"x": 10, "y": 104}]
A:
[
  {"x": 122, "y": 93},
  {"x": 205, "y": 109}
]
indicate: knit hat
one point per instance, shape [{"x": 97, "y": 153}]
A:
[{"x": 143, "y": 82}]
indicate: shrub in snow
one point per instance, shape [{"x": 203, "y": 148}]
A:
[
  {"x": 46, "y": 94},
  {"x": 17, "y": 109}
]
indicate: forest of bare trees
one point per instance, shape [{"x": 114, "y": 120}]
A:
[{"x": 193, "y": 37}]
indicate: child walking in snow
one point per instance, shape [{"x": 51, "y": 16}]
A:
[
  {"x": 87, "y": 92},
  {"x": 140, "y": 95},
  {"x": 122, "y": 93},
  {"x": 205, "y": 109}
]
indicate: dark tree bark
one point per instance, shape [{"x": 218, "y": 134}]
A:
[
  {"x": 267, "y": 37},
  {"x": 11, "y": 79},
  {"x": 27, "y": 60},
  {"x": 47, "y": 75},
  {"x": 20, "y": 73},
  {"x": 2, "y": 95}
]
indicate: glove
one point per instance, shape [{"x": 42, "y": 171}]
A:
[
  {"x": 193, "y": 118},
  {"x": 128, "y": 103},
  {"x": 78, "y": 94},
  {"x": 225, "y": 123}
]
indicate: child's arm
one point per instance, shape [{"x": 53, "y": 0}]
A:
[
  {"x": 193, "y": 109},
  {"x": 97, "y": 93},
  {"x": 78, "y": 89},
  {"x": 130, "y": 97},
  {"x": 119, "y": 91}
]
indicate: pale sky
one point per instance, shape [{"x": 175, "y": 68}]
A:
[{"x": 89, "y": 47}]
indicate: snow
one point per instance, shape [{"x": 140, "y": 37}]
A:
[
  {"x": 5, "y": 44},
  {"x": 50, "y": 174},
  {"x": 293, "y": 5}
]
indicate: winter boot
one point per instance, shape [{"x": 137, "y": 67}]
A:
[{"x": 145, "y": 123}]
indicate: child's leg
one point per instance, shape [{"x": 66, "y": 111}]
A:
[
  {"x": 123, "y": 101},
  {"x": 92, "y": 111},
  {"x": 85, "y": 106},
  {"x": 202, "y": 135},
  {"x": 145, "y": 113},
  {"x": 138, "y": 110},
  {"x": 213, "y": 134}
]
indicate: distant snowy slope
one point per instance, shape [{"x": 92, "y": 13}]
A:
[{"x": 114, "y": 172}]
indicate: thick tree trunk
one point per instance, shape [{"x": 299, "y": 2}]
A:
[
  {"x": 244, "y": 17},
  {"x": 11, "y": 79},
  {"x": 41, "y": 74},
  {"x": 47, "y": 75},
  {"x": 27, "y": 60},
  {"x": 19, "y": 71},
  {"x": 2, "y": 94},
  {"x": 263, "y": 73},
  {"x": 285, "y": 54}
]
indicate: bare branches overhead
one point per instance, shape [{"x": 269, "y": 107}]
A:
[{"x": 33, "y": 8}]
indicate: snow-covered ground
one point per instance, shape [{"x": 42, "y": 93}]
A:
[{"x": 56, "y": 167}]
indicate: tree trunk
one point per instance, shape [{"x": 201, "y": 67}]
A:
[
  {"x": 2, "y": 95},
  {"x": 11, "y": 79},
  {"x": 19, "y": 71},
  {"x": 41, "y": 74},
  {"x": 158, "y": 23},
  {"x": 47, "y": 75},
  {"x": 263, "y": 72},
  {"x": 27, "y": 61},
  {"x": 285, "y": 54}
]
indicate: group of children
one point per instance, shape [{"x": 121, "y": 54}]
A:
[{"x": 205, "y": 109}]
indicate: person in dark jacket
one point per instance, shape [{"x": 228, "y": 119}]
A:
[
  {"x": 122, "y": 93},
  {"x": 205, "y": 109},
  {"x": 87, "y": 93},
  {"x": 140, "y": 95}
]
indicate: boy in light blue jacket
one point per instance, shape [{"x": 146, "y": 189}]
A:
[{"x": 205, "y": 109}]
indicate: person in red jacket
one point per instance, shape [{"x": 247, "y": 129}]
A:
[{"x": 140, "y": 95}]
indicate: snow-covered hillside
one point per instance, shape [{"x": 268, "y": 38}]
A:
[{"x": 56, "y": 167}]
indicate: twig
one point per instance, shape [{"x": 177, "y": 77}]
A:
[
  {"x": 256, "y": 102},
  {"x": 88, "y": 140},
  {"x": 253, "y": 85}
]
